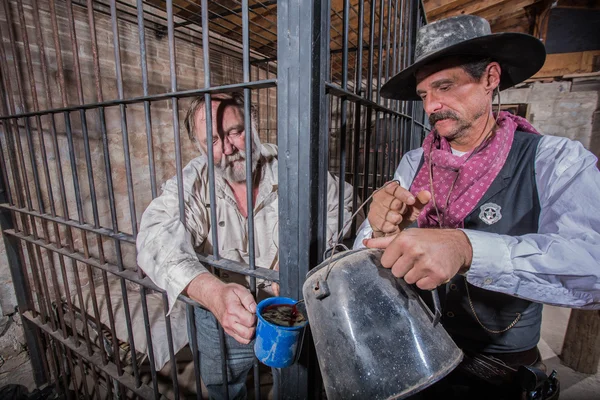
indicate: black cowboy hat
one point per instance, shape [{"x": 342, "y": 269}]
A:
[{"x": 519, "y": 55}]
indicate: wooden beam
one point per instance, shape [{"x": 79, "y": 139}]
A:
[
  {"x": 446, "y": 6},
  {"x": 581, "y": 348},
  {"x": 557, "y": 65},
  {"x": 488, "y": 9},
  {"x": 516, "y": 22}
]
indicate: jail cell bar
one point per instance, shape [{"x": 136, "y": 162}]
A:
[{"x": 69, "y": 223}]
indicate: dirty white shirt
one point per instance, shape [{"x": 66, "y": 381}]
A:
[
  {"x": 560, "y": 264},
  {"x": 166, "y": 248}
]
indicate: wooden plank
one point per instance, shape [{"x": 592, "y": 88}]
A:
[
  {"x": 587, "y": 4},
  {"x": 581, "y": 348},
  {"x": 447, "y": 6},
  {"x": 488, "y": 9},
  {"x": 518, "y": 22},
  {"x": 567, "y": 64},
  {"x": 430, "y": 5}
]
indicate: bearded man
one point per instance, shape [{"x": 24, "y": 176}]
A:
[
  {"x": 502, "y": 218},
  {"x": 167, "y": 248}
]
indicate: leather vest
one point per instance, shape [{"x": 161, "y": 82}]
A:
[{"x": 512, "y": 205}]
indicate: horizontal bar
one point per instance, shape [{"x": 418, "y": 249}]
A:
[
  {"x": 227, "y": 265},
  {"x": 234, "y": 266},
  {"x": 338, "y": 91},
  {"x": 353, "y": 97},
  {"x": 124, "y": 237},
  {"x": 267, "y": 83},
  {"x": 144, "y": 391}
]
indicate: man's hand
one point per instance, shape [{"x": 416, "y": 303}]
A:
[
  {"x": 232, "y": 305},
  {"x": 427, "y": 257},
  {"x": 394, "y": 208}
]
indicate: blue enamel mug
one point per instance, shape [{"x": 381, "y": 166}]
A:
[{"x": 276, "y": 345}]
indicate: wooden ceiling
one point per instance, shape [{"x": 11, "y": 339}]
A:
[
  {"x": 225, "y": 16},
  {"x": 504, "y": 15}
]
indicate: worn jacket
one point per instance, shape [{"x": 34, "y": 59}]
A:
[{"x": 166, "y": 247}]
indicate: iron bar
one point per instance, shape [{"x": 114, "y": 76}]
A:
[
  {"x": 191, "y": 320},
  {"x": 249, "y": 144},
  {"x": 120, "y": 236},
  {"x": 179, "y": 170},
  {"x": 143, "y": 390},
  {"x": 157, "y": 97},
  {"x": 125, "y": 136}
]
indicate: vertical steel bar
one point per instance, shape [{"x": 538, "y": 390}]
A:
[
  {"x": 23, "y": 293},
  {"x": 65, "y": 209},
  {"x": 179, "y": 168},
  {"x": 191, "y": 320},
  {"x": 49, "y": 191},
  {"x": 357, "y": 110},
  {"x": 80, "y": 213},
  {"x": 344, "y": 116},
  {"x": 99, "y": 97},
  {"x": 42, "y": 293},
  {"x": 143, "y": 291},
  {"x": 92, "y": 191},
  {"x": 249, "y": 133},
  {"x": 14, "y": 251},
  {"x": 396, "y": 48},
  {"x": 377, "y": 171},
  {"x": 211, "y": 174},
  {"x": 170, "y": 346},
  {"x": 147, "y": 114},
  {"x": 268, "y": 106},
  {"x": 125, "y": 135},
  {"x": 302, "y": 69}
]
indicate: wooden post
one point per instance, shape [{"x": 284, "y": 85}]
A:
[{"x": 581, "y": 348}]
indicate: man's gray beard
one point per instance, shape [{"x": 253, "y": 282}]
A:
[{"x": 236, "y": 173}]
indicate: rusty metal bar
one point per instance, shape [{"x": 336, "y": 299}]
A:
[{"x": 143, "y": 390}]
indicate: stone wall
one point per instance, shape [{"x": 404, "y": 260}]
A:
[
  {"x": 565, "y": 108},
  {"x": 226, "y": 68}
]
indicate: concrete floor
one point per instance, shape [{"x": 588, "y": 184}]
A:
[{"x": 574, "y": 385}]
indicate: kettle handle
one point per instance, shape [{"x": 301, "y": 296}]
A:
[{"x": 436, "y": 305}]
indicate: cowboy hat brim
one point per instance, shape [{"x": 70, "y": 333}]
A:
[{"x": 520, "y": 56}]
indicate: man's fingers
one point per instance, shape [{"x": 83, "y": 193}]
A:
[
  {"x": 243, "y": 331},
  {"x": 390, "y": 187},
  {"x": 401, "y": 267},
  {"x": 246, "y": 299},
  {"x": 378, "y": 243},
  {"x": 404, "y": 195},
  {"x": 240, "y": 333},
  {"x": 426, "y": 283}
]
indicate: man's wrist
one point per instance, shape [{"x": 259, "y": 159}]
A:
[
  {"x": 467, "y": 253},
  {"x": 203, "y": 288}
]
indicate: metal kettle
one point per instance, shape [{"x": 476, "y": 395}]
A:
[{"x": 374, "y": 336}]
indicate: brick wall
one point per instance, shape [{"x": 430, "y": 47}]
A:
[{"x": 225, "y": 69}]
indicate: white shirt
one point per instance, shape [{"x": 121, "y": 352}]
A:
[
  {"x": 560, "y": 264},
  {"x": 166, "y": 248}
]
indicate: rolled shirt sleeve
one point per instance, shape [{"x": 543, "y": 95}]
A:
[
  {"x": 560, "y": 264},
  {"x": 165, "y": 245}
]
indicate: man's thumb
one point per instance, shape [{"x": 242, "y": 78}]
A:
[
  {"x": 379, "y": 243},
  {"x": 423, "y": 198},
  {"x": 246, "y": 299}
]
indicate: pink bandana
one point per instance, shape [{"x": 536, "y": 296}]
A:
[{"x": 476, "y": 172}]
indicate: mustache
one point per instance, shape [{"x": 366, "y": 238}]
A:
[{"x": 435, "y": 117}]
